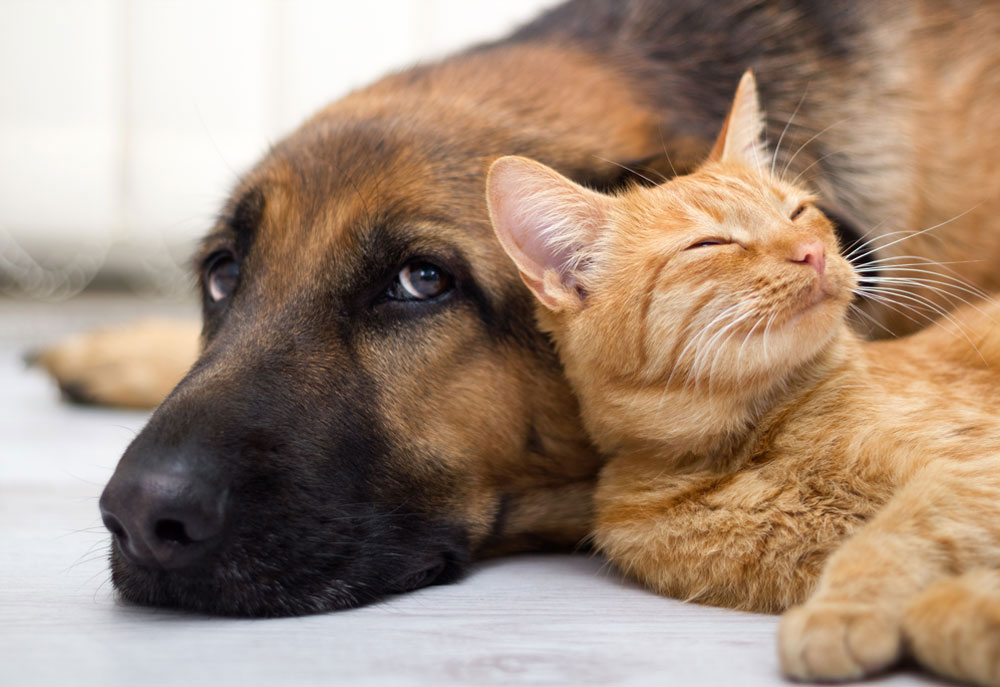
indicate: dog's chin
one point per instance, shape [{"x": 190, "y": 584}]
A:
[{"x": 250, "y": 587}]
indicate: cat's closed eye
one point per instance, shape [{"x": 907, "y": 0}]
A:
[
  {"x": 704, "y": 243},
  {"x": 798, "y": 211}
]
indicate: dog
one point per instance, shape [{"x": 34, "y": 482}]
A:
[{"x": 373, "y": 406}]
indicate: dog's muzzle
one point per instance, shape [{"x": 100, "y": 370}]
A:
[{"x": 171, "y": 517}]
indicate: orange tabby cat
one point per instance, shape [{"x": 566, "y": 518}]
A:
[{"x": 762, "y": 454}]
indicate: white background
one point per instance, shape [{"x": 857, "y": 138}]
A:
[{"x": 123, "y": 123}]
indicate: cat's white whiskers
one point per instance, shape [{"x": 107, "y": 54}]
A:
[
  {"x": 923, "y": 261},
  {"x": 886, "y": 267},
  {"x": 810, "y": 140},
  {"x": 663, "y": 144},
  {"x": 903, "y": 309},
  {"x": 720, "y": 346},
  {"x": 934, "y": 307},
  {"x": 777, "y": 148},
  {"x": 945, "y": 272},
  {"x": 852, "y": 253},
  {"x": 937, "y": 286},
  {"x": 854, "y": 308},
  {"x": 746, "y": 339},
  {"x": 861, "y": 238},
  {"x": 711, "y": 350},
  {"x": 693, "y": 341},
  {"x": 630, "y": 170},
  {"x": 767, "y": 329},
  {"x": 704, "y": 346},
  {"x": 811, "y": 165},
  {"x": 922, "y": 231}
]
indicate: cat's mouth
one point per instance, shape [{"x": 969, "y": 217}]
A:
[{"x": 821, "y": 293}]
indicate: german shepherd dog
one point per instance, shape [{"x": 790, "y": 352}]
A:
[{"x": 373, "y": 406}]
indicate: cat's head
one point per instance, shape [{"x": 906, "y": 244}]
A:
[{"x": 723, "y": 282}]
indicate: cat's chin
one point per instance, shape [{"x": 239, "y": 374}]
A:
[
  {"x": 810, "y": 328},
  {"x": 822, "y": 311},
  {"x": 823, "y": 307}
]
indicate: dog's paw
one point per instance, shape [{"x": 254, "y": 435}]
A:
[
  {"x": 133, "y": 366},
  {"x": 837, "y": 641}
]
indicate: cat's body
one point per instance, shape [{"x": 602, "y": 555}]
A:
[
  {"x": 751, "y": 526},
  {"x": 762, "y": 454}
]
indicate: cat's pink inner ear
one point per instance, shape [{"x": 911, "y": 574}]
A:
[
  {"x": 742, "y": 137},
  {"x": 545, "y": 223}
]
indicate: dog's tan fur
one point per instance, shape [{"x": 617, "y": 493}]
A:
[{"x": 763, "y": 455}]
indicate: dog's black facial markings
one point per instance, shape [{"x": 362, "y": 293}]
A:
[
  {"x": 287, "y": 416},
  {"x": 312, "y": 526},
  {"x": 220, "y": 260},
  {"x": 246, "y": 218},
  {"x": 507, "y": 316}
]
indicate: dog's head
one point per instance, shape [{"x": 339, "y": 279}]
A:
[{"x": 374, "y": 404}]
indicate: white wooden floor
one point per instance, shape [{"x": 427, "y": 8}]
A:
[{"x": 552, "y": 620}]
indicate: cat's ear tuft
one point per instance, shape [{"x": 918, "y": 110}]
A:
[
  {"x": 742, "y": 137},
  {"x": 546, "y": 224}
]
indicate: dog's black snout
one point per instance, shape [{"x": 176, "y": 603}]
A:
[{"x": 165, "y": 518}]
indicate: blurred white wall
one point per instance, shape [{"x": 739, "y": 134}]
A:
[{"x": 123, "y": 123}]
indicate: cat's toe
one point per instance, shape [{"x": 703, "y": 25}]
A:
[
  {"x": 837, "y": 641},
  {"x": 953, "y": 627}
]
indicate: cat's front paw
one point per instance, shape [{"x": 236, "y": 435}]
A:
[{"x": 824, "y": 640}]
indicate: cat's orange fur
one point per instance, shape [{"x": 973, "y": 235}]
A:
[{"x": 762, "y": 454}]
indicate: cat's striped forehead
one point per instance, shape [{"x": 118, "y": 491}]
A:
[
  {"x": 718, "y": 202},
  {"x": 721, "y": 192}
]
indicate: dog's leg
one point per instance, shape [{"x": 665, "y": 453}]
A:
[{"x": 132, "y": 366}]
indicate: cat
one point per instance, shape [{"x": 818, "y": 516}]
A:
[{"x": 762, "y": 455}]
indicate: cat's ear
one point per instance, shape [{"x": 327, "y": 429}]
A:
[
  {"x": 547, "y": 224},
  {"x": 742, "y": 137}
]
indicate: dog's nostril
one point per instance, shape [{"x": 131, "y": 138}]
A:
[
  {"x": 114, "y": 526},
  {"x": 172, "y": 531}
]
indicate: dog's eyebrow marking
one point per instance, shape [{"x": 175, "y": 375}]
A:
[{"x": 245, "y": 218}]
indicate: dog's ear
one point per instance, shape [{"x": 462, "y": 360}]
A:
[
  {"x": 547, "y": 225},
  {"x": 742, "y": 137}
]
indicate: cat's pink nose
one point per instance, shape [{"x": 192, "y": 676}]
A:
[{"x": 811, "y": 253}]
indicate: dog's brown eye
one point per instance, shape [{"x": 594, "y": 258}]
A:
[
  {"x": 798, "y": 212},
  {"x": 221, "y": 276},
  {"x": 420, "y": 281}
]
